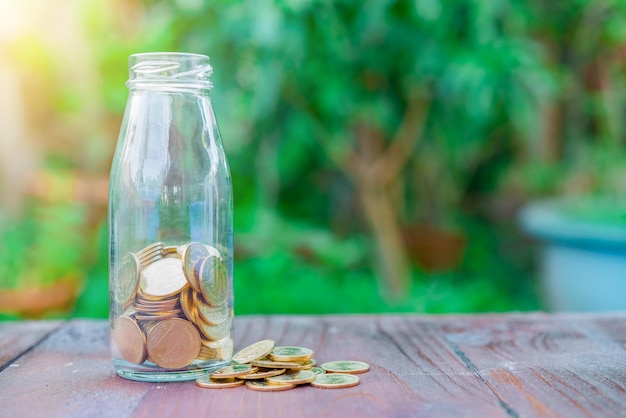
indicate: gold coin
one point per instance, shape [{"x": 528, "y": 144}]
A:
[
  {"x": 215, "y": 332},
  {"x": 216, "y": 350},
  {"x": 318, "y": 370},
  {"x": 187, "y": 305},
  {"x": 151, "y": 253},
  {"x": 264, "y": 386},
  {"x": 159, "y": 316},
  {"x": 145, "y": 262},
  {"x": 234, "y": 370},
  {"x": 160, "y": 313},
  {"x": 213, "y": 279},
  {"x": 157, "y": 305},
  {"x": 335, "y": 380},
  {"x": 193, "y": 253},
  {"x": 147, "y": 326},
  {"x": 295, "y": 378},
  {"x": 170, "y": 251},
  {"x": 346, "y": 366},
  {"x": 130, "y": 339},
  {"x": 208, "y": 382},
  {"x": 127, "y": 278},
  {"x": 173, "y": 343},
  {"x": 212, "y": 250},
  {"x": 290, "y": 353},
  {"x": 157, "y": 310},
  {"x": 254, "y": 351},
  {"x": 206, "y": 354},
  {"x": 163, "y": 278},
  {"x": 144, "y": 297},
  {"x": 213, "y": 315},
  {"x": 150, "y": 248},
  {"x": 262, "y": 374},
  {"x": 305, "y": 365},
  {"x": 180, "y": 249},
  {"x": 269, "y": 364}
]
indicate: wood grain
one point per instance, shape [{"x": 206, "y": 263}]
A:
[
  {"x": 514, "y": 365},
  {"x": 18, "y": 337},
  {"x": 549, "y": 366}
]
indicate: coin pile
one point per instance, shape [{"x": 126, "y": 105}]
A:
[
  {"x": 264, "y": 367},
  {"x": 175, "y": 306}
]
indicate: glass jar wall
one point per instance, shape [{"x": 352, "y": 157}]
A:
[{"x": 170, "y": 225}]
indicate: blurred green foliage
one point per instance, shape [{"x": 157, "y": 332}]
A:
[
  {"x": 346, "y": 123},
  {"x": 46, "y": 243}
]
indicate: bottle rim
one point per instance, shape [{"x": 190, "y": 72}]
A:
[{"x": 180, "y": 69}]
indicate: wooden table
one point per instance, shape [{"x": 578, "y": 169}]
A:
[{"x": 513, "y": 365}]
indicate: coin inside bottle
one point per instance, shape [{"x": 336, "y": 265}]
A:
[{"x": 167, "y": 319}]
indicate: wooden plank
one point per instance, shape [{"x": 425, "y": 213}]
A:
[
  {"x": 549, "y": 366},
  {"x": 19, "y": 337},
  {"x": 413, "y": 373},
  {"x": 492, "y": 366}
]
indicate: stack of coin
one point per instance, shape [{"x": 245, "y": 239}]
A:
[
  {"x": 171, "y": 294},
  {"x": 264, "y": 367},
  {"x": 151, "y": 253}
]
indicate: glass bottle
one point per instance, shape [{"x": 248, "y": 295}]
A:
[{"x": 170, "y": 225}]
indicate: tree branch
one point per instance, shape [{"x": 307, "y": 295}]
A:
[{"x": 388, "y": 166}]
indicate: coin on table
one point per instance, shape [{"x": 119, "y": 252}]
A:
[
  {"x": 295, "y": 378},
  {"x": 127, "y": 278},
  {"x": 262, "y": 374},
  {"x": 290, "y": 353},
  {"x": 173, "y": 343},
  {"x": 163, "y": 278},
  {"x": 305, "y": 365},
  {"x": 254, "y": 351},
  {"x": 346, "y": 366},
  {"x": 208, "y": 382},
  {"x": 265, "y": 386},
  {"x": 234, "y": 370},
  {"x": 318, "y": 370},
  {"x": 130, "y": 339},
  {"x": 269, "y": 364},
  {"x": 213, "y": 279},
  {"x": 335, "y": 380}
]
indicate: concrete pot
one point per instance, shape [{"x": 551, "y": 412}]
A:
[{"x": 583, "y": 253}]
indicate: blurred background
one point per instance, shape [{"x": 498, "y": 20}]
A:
[{"x": 386, "y": 155}]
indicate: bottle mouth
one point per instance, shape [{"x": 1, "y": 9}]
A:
[{"x": 169, "y": 69}]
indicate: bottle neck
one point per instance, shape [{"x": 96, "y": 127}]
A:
[
  {"x": 161, "y": 87},
  {"x": 170, "y": 72}
]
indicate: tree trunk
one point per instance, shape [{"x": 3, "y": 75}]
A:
[{"x": 393, "y": 266}]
